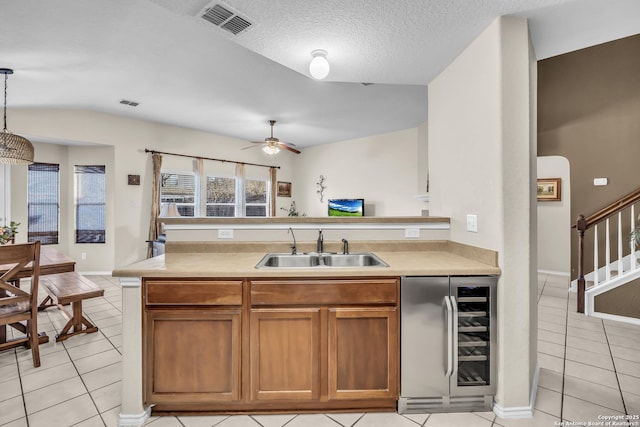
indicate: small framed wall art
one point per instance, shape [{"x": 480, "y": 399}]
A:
[
  {"x": 284, "y": 189},
  {"x": 133, "y": 179},
  {"x": 549, "y": 189}
]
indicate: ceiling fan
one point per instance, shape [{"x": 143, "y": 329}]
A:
[{"x": 273, "y": 145}]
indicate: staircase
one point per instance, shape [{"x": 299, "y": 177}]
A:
[{"x": 607, "y": 274}]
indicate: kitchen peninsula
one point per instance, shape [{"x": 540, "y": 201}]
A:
[{"x": 205, "y": 331}]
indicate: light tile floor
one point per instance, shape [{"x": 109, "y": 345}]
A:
[{"x": 589, "y": 368}]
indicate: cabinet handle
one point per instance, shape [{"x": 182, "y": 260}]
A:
[{"x": 449, "y": 349}]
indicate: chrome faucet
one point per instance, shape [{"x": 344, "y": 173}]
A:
[
  {"x": 345, "y": 246},
  {"x": 320, "y": 242},
  {"x": 294, "y": 250}
]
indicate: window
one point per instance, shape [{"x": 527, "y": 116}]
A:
[
  {"x": 214, "y": 196},
  {"x": 179, "y": 189},
  {"x": 90, "y": 204},
  {"x": 221, "y": 196},
  {"x": 43, "y": 203},
  {"x": 256, "y": 197}
]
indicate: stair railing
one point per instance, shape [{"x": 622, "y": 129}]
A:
[{"x": 585, "y": 223}]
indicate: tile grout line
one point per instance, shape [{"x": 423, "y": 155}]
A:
[
  {"x": 24, "y": 402},
  {"x": 615, "y": 370},
  {"x": 564, "y": 361}
]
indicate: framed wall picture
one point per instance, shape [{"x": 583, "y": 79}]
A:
[
  {"x": 549, "y": 189},
  {"x": 284, "y": 189}
]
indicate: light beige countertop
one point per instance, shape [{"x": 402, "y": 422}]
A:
[{"x": 229, "y": 260}]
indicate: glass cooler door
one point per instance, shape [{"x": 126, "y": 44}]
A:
[{"x": 474, "y": 307}]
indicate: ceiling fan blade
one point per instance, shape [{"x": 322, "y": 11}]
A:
[
  {"x": 286, "y": 147},
  {"x": 248, "y": 146}
]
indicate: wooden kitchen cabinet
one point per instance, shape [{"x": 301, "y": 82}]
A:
[
  {"x": 285, "y": 352},
  {"x": 192, "y": 347},
  {"x": 270, "y": 345},
  {"x": 326, "y": 340},
  {"x": 363, "y": 353}
]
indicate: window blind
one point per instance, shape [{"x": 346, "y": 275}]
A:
[
  {"x": 90, "y": 204},
  {"x": 43, "y": 207}
]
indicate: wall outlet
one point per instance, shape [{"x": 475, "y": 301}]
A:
[
  {"x": 472, "y": 223},
  {"x": 225, "y": 234},
  {"x": 411, "y": 232},
  {"x": 83, "y": 255}
]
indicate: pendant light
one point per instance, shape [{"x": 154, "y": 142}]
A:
[{"x": 14, "y": 149}]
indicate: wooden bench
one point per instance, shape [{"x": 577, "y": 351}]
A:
[{"x": 70, "y": 288}]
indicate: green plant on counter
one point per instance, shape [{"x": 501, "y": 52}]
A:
[
  {"x": 292, "y": 210},
  {"x": 8, "y": 232}
]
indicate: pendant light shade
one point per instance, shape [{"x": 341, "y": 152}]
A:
[
  {"x": 319, "y": 66},
  {"x": 14, "y": 149}
]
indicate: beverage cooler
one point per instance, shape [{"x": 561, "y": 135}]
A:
[{"x": 448, "y": 343}]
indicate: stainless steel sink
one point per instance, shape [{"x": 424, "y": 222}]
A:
[
  {"x": 365, "y": 259},
  {"x": 288, "y": 261},
  {"x": 314, "y": 260}
]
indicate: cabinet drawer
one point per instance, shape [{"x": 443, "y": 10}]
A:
[
  {"x": 193, "y": 292},
  {"x": 324, "y": 292}
]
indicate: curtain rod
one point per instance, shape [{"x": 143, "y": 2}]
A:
[{"x": 146, "y": 150}]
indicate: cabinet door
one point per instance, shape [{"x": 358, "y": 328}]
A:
[
  {"x": 285, "y": 351},
  {"x": 363, "y": 353},
  {"x": 192, "y": 356}
]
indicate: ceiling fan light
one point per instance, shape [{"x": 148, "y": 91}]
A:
[
  {"x": 319, "y": 66},
  {"x": 271, "y": 149}
]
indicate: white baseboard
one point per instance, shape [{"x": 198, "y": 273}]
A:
[
  {"x": 554, "y": 273},
  {"x": 521, "y": 411},
  {"x": 134, "y": 420}
]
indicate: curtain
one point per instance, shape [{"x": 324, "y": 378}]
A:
[
  {"x": 155, "y": 201},
  {"x": 240, "y": 190},
  {"x": 273, "y": 186},
  {"x": 200, "y": 205}
]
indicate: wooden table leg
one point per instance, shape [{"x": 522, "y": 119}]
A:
[{"x": 75, "y": 321}]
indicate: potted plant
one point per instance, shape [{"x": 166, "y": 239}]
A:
[{"x": 8, "y": 233}]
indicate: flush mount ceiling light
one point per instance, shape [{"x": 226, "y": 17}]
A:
[
  {"x": 319, "y": 66},
  {"x": 14, "y": 149}
]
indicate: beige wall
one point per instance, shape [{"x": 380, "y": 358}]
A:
[
  {"x": 481, "y": 161},
  {"x": 382, "y": 169},
  {"x": 589, "y": 105},
  {"x": 554, "y": 219}
]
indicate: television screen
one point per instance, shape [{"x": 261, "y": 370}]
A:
[{"x": 346, "y": 207}]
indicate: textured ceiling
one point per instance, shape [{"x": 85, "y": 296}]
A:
[{"x": 183, "y": 71}]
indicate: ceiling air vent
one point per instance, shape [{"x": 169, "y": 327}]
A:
[{"x": 223, "y": 17}]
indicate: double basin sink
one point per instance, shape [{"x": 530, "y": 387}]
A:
[{"x": 318, "y": 260}]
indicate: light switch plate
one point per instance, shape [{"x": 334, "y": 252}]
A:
[
  {"x": 472, "y": 223},
  {"x": 600, "y": 181},
  {"x": 225, "y": 233}
]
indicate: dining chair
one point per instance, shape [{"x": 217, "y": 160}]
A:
[{"x": 16, "y": 304}]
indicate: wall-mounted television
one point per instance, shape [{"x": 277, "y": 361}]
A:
[{"x": 346, "y": 207}]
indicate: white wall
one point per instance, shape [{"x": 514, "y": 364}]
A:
[
  {"x": 382, "y": 169},
  {"x": 554, "y": 219},
  {"x": 127, "y": 139},
  {"x": 481, "y": 114}
]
